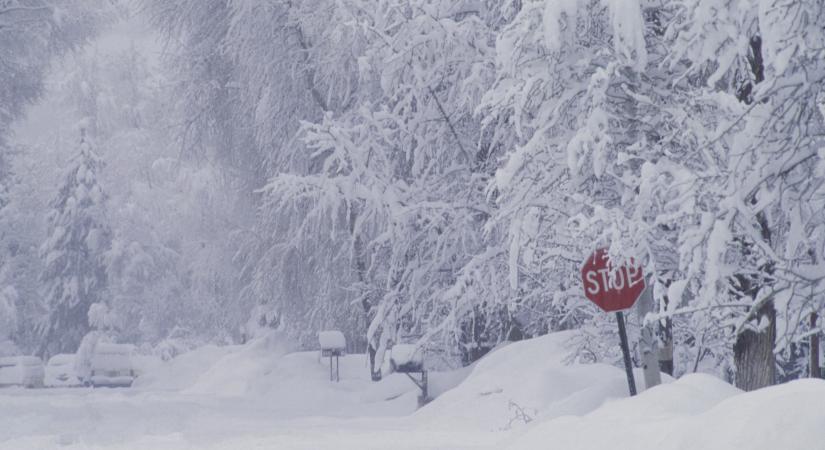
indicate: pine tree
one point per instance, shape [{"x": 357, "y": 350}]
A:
[{"x": 74, "y": 274}]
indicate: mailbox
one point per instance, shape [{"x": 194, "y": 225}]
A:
[
  {"x": 333, "y": 343},
  {"x": 407, "y": 358}
]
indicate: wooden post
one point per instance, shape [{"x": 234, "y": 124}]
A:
[
  {"x": 648, "y": 343},
  {"x": 424, "y": 389},
  {"x": 815, "y": 370},
  {"x": 334, "y": 369},
  {"x": 628, "y": 366}
]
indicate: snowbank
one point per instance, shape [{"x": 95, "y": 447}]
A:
[
  {"x": 144, "y": 364},
  {"x": 235, "y": 373},
  {"x": 527, "y": 381},
  {"x": 266, "y": 372},
  {"x": 517, "y": 383},
  {"x": 519, "y": 397},
  {"x": 217, "y": 371},
  {"x": 697, "y": 412},
  {"x": 182, "y": 371}
]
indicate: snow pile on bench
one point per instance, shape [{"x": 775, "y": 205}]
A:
[{"x": 332, "y": 340}]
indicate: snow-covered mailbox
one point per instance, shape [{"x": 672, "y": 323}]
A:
[
  {"x": 333, "y": 344},
  {"x": 409, "y": 359}
]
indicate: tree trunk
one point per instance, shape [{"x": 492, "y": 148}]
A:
[
  {"x": 754, "y": 361},
  {"x": 753, "y": 353},
  {"x": 666, "y": 349},
  {"x": 375, "y": 375},
  {"x": 815, "y": 371},
  {"x": 665, "y": 332}
]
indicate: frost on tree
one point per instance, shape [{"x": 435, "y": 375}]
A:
[
  {"x": 758, "y": 236},
  {"x": 33, "y": 33},
  {"x": 74, "y": 275},
  {"x": 438, "y": 170}
]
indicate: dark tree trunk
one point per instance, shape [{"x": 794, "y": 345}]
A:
[
  {"x": 815, "y": 371},
  {"x": 375, "y": 375},
  {"x": 753, "y": 353},
  {"x": 666, "y": 349},
  {"x": 360, "y": 271},
  {"x": 666, "y": 336}
]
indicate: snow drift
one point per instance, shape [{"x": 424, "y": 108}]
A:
[
  {"x": 697, "y": 412},
  {"x": 268, "y": 372},
  {"x": 526, "y": 381},
  {"x": 521, "y": 396}
]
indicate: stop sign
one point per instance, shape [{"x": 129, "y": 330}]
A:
[{"x": 611, "y": 291}]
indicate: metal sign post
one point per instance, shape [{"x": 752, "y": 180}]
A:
[
  {"x": 628, "y": 366},
  {"x": 614, "y": 289}
]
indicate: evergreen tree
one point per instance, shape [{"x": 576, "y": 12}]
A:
[{"x": 74, "y": 275}]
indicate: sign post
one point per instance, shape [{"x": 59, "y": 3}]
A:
[
  {"x": 628, "y": 367},
  {"x": 614, "y": 289}
]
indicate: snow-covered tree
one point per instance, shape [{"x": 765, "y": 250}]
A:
[
  {"x": 762, "y": 73},
  {"x": 74, "y": 275},
  {"x": 436, "y": 171},
  {"x": 657, "y": 132},
  {"x": 8, "y": 320},
  {"x": 32, "y": 34},
  {"x": 398, "y": 179},
  {"x": 580, "y": 105}
]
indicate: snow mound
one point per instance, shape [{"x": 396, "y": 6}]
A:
[
  {"x": 182, "y": 371},
  {"x": 144, "y": 364},
  {"x": 217, "y": 371},
  {"x": 695, "y": 412},
  {"x": 266, "y": 373},
  {"x": 236, "y": 373},
  {"x": 527, "y": 381}
]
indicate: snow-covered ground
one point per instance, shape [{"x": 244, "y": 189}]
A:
[{"x": 522, "y": 396}]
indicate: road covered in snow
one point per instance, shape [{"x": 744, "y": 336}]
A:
[
  {"x": 523, "y": 396},
  {"x": 115, "y": 419}
]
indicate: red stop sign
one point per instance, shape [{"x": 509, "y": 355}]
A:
[{"x": 611, "y": 291}]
